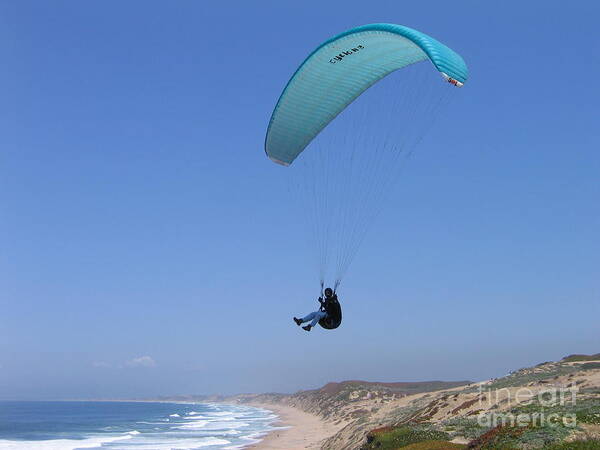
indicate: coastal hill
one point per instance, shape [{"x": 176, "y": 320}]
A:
[{"x": 551, "y": 405}]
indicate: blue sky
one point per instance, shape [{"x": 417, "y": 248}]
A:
[{"x": 145, "y": 245}]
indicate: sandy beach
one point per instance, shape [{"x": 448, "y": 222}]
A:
[{"x": 305, "y": 431}]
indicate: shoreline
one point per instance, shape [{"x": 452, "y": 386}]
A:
[{"x": 299, "y": 429}]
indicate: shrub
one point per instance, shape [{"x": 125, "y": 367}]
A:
[{"x": 390, "y": 438}]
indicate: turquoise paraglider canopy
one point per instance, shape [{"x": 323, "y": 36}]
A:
[
  {"x": 340, "y": 70},
  {"x": 344, "y": 180}
]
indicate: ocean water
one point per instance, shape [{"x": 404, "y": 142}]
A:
[{"x": 130, "y": 425}]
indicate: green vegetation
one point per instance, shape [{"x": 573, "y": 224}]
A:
[
  {"x": 542, "y": 436},
  {"x": 462, "y": 426},
  {"x": 532, "y": 426},
  {"x": 433, "y": 445},
  {"x": 592, "y": 444},
  {"x": 589, "y": 416},
  {"x": 586, "y": 410},
  {"x": 515, "y": 437},
  {"x": 576, "y": 358},
  {"x": 524, "y": 376},
  {"x": 390, "y": 438}
]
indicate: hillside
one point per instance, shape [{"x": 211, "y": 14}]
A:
[{"x": 551, "y": 405}]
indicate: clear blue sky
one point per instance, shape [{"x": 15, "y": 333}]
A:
[{"x": 144, "y": 244}]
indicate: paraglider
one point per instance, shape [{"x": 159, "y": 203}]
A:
[
  {"x": 345, "y": 179},
  {"x": 329, "y": 315}
]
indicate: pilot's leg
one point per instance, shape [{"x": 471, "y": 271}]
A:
[
  {"x": 310, "y": 317},
  {"x": 318, "y": 315}
]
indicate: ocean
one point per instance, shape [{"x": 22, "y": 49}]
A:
[{"x": 130, "y": 425}]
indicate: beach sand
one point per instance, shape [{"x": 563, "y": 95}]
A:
[{"x": 305, "y": 431}]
